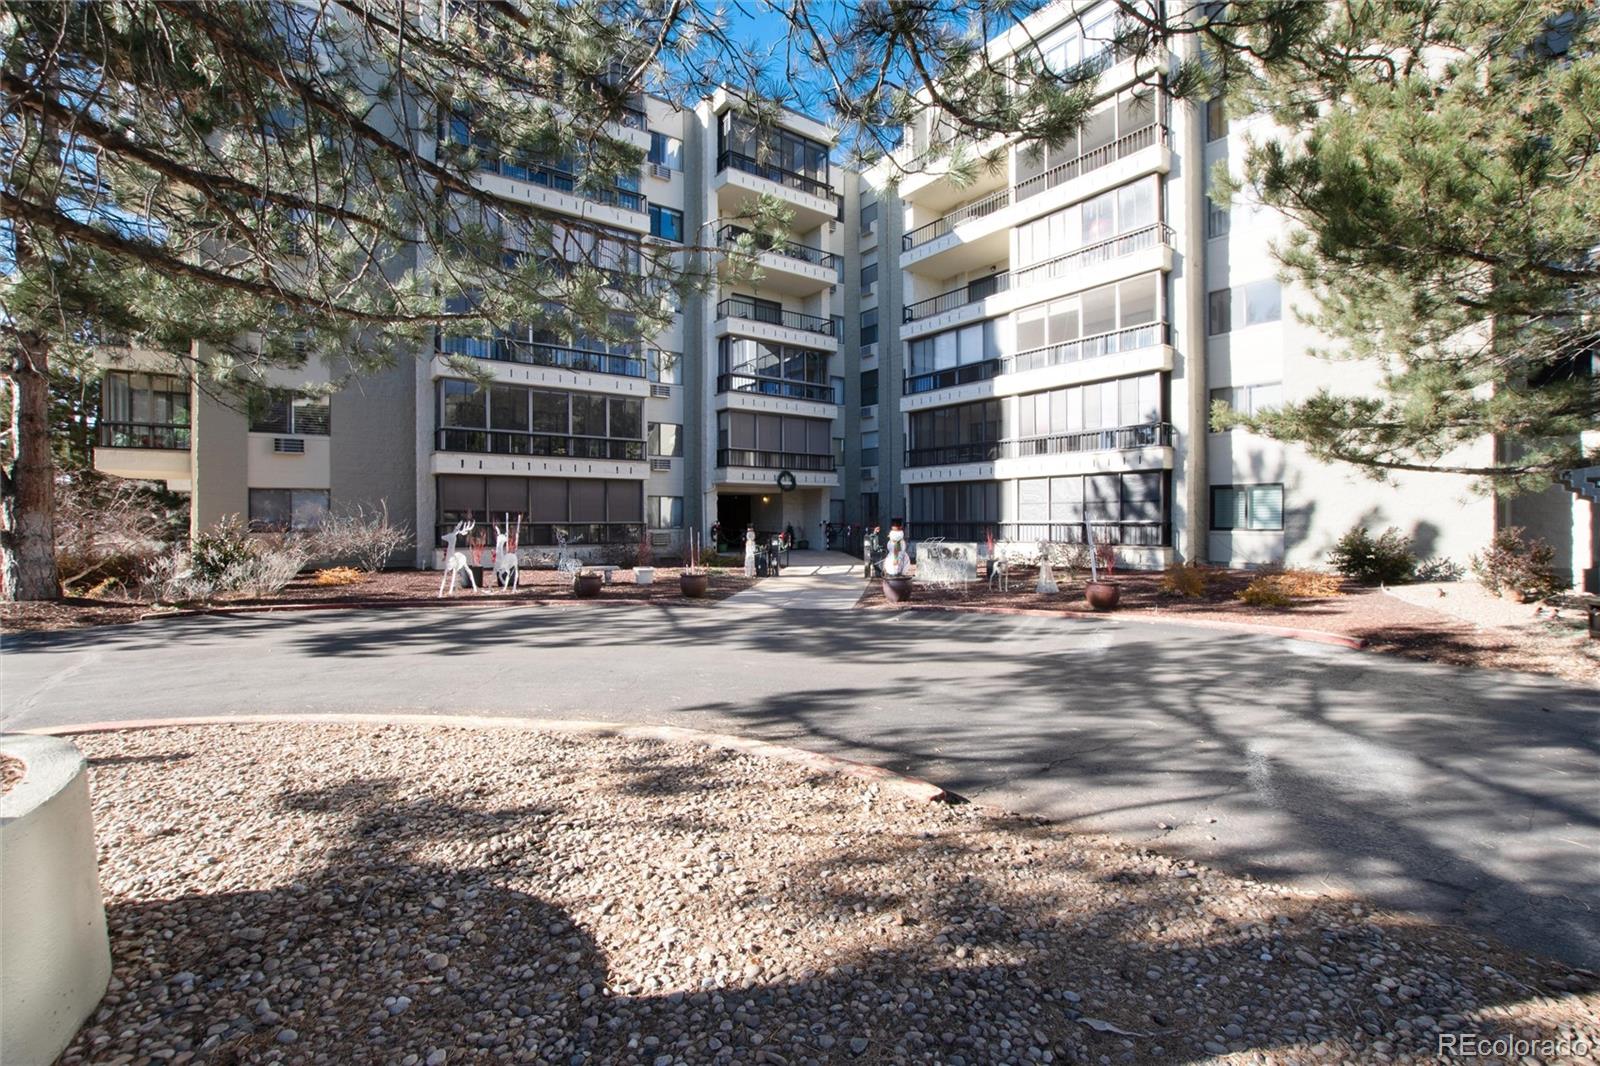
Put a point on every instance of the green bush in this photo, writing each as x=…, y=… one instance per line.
x=223, y=547
x=1513, y=563
x=1386, y=559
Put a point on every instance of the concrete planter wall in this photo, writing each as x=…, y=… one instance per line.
x=57, y=958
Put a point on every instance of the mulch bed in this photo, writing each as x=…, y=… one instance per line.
x=1386, y=623
x=390, y=588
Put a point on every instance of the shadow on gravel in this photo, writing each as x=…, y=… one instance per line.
x=388, y=950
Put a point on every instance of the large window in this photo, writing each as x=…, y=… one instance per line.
x=1131, y=401
x=1124, y=125
x=748, y=365
x=869, y=215
x=964, y=433
x=1246, y=507
x=768, y=149
x=958, y=510
x=143, y=411
x=1216, y=119
x=286, y=411
x=587, y=510
x=869, y=448
x=666, y=151
x=869, y=326
x=666, y=223
x=666, y=439
x=1124, y=508
x=1263, y=302
x=513, y=420
x=1111, y=214
x=665, y=367
x=1219, y=312
x=664, y=512
x=869, y=388
x=953, y=348
x=774, y=442
x=1249, y=399
x=1087, y=321
x=869, y=276
x=280, y=510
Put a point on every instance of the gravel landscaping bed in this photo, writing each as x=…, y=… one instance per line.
x=394, y=587
x=408, y=895
x=1386, y=622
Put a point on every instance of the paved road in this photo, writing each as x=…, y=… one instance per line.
x=1468, y=795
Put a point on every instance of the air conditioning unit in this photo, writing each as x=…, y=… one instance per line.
x=662, y=392
x=833, y=227
x=870, y=411
x=661, y=466
x=661, y=170
x=869, y=351
x=288, y=446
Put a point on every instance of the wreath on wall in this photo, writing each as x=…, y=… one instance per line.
x=786, y=480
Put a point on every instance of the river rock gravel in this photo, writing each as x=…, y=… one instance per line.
x=414, y=896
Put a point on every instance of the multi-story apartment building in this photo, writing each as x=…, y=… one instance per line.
x=1016, y=355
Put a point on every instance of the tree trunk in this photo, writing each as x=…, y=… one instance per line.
x=28, y=492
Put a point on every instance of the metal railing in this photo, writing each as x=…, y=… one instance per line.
x=532, y=353
x=507, y=442
x=165, y=436
x=1126, y=145
x=1129, y=339
x=791, y=390
x=1138, y=534
x=966, y=374
x=563, y=181
x=984, y=206
x=1121, y=438
x=1012, y=280
x=735, y=307
x=727, y=235
x=764, y=460
x=729, y=160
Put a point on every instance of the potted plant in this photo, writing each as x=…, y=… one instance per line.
x=1100, y=594
x=897, y=566
x=644, y=572
x=694, y=582
x=586, y=583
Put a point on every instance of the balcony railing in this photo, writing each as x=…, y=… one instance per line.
x=1094, y=159
x=966, y=374
x=508, y=350
x=803, y=182
x=763, y=460
x=734, y=307
x=563, y=181
x=503, y=442
x=790, y=390
x=634, y=118
x=988, y=205
x=786, y=248
x=1049, y=270
x=1140, y=534
x=165, y=436
x=1122, y=438
x=1092, y=347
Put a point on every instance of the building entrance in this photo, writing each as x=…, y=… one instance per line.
x=733, y=515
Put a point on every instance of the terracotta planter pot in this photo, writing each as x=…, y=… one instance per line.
x=897, y=589
x=694, y=586
x=587, y=586
x=1102, y=595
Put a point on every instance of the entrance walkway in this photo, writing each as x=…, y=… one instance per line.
x=813, y=581
x=813, y=563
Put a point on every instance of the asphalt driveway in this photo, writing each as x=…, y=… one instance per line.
x=1471, y=796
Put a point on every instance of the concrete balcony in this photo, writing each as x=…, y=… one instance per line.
x=740, y=316
x=786, y=267
x=741, y=178
x=622, y=209
x=478, y=451
x=1094, y=451
x=744, y=392
x=144, y=452
x=751, y=467
x=513, y=362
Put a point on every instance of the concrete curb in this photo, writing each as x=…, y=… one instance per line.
x=911, y=788
x=482, y=602
x=1315, y=636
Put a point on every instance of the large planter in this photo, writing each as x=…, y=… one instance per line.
x=897, y=589
x=1103, y=595
x=695, y=586
x=644, y=575
x=57, y=959
x=587, y=586
x=477, y=574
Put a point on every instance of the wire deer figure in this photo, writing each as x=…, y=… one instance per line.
x=506, y=571
x=455, y=562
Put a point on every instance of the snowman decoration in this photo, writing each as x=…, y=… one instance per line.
x=750, y=551
x=898, y=562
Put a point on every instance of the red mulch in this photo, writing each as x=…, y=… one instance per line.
x=392, y=587
x=1385, y=623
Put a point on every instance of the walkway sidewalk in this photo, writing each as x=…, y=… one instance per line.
x=813, y=581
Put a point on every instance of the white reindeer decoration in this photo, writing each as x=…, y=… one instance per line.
x=506, y=571
x=455, y=563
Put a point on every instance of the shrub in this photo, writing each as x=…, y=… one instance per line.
x=623, y=555
x=338, y=575
x=1386, y=559
x=265, y=570
x=366, y=538
x=1440, y=569
x=1070, y=559
x=218, y=549
x=1514, y=564
x=1184, y=579
x=1265, y=592
x=170, y=578
x=109, y=531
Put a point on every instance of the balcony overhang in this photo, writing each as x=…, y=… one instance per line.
x=536, y=466
x=758, y=479
x=1063, y=464
x=548, y=377
x=782, y=274
x=1155, y=357
x=970, y=246
x=737, y=190
x=732, y=325
x=569, y=203
x=169, y=465
x=735, y=400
